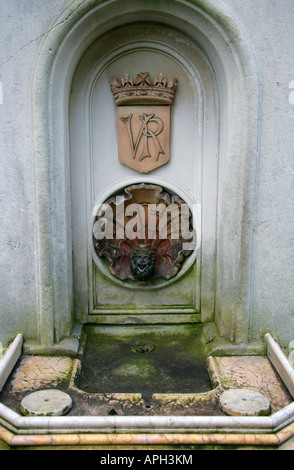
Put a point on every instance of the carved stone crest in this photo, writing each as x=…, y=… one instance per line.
x=143, y=120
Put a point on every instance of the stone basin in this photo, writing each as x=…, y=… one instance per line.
x=191, y=418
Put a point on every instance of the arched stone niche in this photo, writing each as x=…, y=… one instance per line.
x=97, y=172
x=227, y=109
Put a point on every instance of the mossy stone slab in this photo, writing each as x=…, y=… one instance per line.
x=46, y=403
x=244, y=402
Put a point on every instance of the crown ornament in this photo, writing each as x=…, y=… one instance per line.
x=161, y=91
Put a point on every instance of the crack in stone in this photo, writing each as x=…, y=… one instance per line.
x=43, y=34
x=35, y=371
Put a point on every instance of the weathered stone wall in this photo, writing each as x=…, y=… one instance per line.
x=268, y=25
x=23, y=26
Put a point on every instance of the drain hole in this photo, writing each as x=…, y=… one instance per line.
x=144, y=348
x=112, y=412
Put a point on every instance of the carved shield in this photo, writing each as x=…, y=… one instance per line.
x=143, y=136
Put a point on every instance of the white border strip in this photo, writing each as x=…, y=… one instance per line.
x=9, y=359
x=281, y=363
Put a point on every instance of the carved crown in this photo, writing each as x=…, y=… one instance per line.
x=161, y=91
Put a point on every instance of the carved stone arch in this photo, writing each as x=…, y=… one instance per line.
x=218, y=33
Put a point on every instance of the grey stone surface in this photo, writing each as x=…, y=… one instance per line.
x=244, y=402
x=273, y=266
x=46, y=403
x=23, y=27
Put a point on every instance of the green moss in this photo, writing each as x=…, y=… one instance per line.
x=4, y=446
x=141, y=368
x=112, y=361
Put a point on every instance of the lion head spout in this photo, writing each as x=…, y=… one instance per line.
x=142, y=262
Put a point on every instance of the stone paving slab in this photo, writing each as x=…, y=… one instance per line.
x=35, y=372
x=255, y=373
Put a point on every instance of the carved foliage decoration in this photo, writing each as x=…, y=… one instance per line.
x=144, y=233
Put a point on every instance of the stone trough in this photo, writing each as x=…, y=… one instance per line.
x=240, y=430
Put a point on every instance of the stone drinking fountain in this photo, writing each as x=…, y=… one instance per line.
x=141, y=321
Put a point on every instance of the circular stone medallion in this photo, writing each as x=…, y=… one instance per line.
x=46, y=403
x=244, y=402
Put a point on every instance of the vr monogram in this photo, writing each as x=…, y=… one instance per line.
x=146, y=131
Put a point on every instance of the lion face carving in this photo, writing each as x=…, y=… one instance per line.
x=142, y=262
